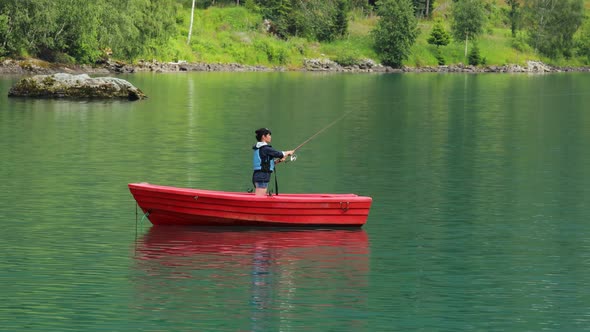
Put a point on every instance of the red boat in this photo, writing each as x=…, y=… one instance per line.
x=183, y=206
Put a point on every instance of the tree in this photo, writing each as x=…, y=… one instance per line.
x=474, y=58
x=396, y=31
x=552, y=25
x=341, y=19
x=322, y=20
x=423, y=7
x=79, y=23
x=468, y=20
x=118, y=30
x=513, y=15
x=584, y=40
x=156, y=22
x=280, y=13
x=3, y=33
x=81, y=30
x=439, y=36
x=22, y=31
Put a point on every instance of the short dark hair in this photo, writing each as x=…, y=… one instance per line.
x=261, y=132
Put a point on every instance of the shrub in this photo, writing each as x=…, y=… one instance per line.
x=474, y=58
x=274, y=53
x=347, y=58
x=520, y=43
x=439, y=57
x=439, y=36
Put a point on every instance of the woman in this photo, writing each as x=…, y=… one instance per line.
x=264, y=156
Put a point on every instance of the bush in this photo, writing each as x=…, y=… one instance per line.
x=275, y=53
x=474, y=58
x=63, y=58
x=439, y=57
x=348, y=58
x=321, y=20
x=520, y=43
x=439, y=36
x=298, y=45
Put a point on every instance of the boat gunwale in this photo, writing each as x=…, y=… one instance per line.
x=247, y=196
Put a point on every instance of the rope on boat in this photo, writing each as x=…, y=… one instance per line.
x=140, y=224
x=145, y=215
x=276, y=182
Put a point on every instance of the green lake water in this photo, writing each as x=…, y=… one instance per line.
x=479, y=219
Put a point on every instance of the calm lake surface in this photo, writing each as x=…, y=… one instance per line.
x=479, y=221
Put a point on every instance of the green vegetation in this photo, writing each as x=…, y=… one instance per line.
x=396, y=31
x=468, y=20
x=439, y=37
x=553, y=25
x=284, y=32
x=584, y=41
x=513, y=15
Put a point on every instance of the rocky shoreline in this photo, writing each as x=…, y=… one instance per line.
x=36, y=67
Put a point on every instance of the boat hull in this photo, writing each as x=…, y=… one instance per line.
x=183, y=206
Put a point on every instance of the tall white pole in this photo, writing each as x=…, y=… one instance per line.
x=190, y=29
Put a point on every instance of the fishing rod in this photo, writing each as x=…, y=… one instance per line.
x=293, y=157
x=322, y=130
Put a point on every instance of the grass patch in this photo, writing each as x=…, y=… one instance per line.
x=234, y=34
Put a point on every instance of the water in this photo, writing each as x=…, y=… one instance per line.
x=478, y=221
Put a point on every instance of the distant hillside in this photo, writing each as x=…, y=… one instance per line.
x=235, y=34
x=238, y=32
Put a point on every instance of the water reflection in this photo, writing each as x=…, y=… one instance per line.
x=254, y=279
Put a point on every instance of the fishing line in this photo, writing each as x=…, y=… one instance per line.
x=322, y=130
x=293, y=157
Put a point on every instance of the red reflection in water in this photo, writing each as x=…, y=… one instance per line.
x=273, y=276
x=164, y=241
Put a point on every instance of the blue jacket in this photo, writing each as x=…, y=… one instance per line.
x=264, y=156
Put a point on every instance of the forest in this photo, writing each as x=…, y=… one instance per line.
x=283, y=32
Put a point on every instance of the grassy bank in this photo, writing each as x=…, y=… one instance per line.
x=237, y=35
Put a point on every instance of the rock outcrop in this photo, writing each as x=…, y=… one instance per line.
x=361, y=66
x=63, y=85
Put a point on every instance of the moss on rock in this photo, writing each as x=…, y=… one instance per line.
x=75, y=86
